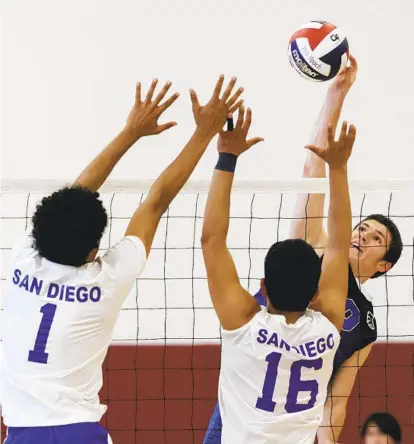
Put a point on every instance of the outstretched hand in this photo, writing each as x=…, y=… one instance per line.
x=211, y=117
x=143, y=118
x=344, y=81
x=235, y=141
x=337, y=153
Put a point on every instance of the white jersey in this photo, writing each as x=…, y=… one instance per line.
x=274, y=378
x=57, y=325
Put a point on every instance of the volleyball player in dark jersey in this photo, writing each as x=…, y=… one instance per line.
x=376, y=246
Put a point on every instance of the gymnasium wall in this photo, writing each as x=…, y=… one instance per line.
x=149, y=405
x=70, y=69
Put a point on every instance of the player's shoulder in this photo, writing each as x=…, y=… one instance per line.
x=368, y=331
x=315, y=315
x=369, y=320
x=130, y=241
x=127, y=254
x=371, y=323
x=356, y=292
x=319, y=322
x=127, y=246
x=258, y=321
x=23, y=247
x=360, y=325
x=362, y=299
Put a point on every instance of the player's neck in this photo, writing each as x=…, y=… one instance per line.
x=359, y=274
x=290, y=316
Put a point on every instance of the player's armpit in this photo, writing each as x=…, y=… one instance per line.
x=144, y=222
x=333, y=287
x=332, y=305
x=321, y=242
x=233, y=304
x=337, y=399
x=307, y=221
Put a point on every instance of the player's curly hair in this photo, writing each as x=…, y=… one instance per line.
x=68, y=224
x=292, y=273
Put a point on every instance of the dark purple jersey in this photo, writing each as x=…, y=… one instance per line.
x=360, y=327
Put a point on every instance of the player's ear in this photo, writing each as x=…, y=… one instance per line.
x=383, y=266
x=263, y=287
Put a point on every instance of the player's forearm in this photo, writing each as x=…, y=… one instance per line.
x=328, y=434
x=329, y=114
x=217, y=212
x=307, y=220
x=333, y=421
x=174, y=177
x=95, y=174
x=339, y=215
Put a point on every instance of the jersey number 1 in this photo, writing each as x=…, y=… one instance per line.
x=38, y=354
x=296, y=385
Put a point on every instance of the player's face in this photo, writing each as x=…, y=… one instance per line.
x=369, y=243
x=375, y=436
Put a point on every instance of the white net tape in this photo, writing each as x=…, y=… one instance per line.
x=170, y=301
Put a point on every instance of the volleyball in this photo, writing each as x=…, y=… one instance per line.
x=318, y=51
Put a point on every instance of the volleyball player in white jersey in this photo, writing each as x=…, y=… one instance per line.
x=61, y=300
x=277, y=361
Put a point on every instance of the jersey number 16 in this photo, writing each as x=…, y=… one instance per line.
x=296, y=385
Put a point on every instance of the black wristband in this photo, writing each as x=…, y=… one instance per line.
x=226, y=162
x=230, y=124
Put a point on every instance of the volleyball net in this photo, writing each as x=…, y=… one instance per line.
x=161, y=372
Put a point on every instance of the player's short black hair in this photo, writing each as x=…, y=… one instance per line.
x=396, y=246
x=68, y=224
x=292, y=272
x=386, y=423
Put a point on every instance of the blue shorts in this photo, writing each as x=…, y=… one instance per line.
x=213, y=432
x=82, y=433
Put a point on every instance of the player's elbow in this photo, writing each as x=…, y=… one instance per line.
x=299, y=230
x=205, y=239
x=212, y=242
x=158, y=200
x=209, y=240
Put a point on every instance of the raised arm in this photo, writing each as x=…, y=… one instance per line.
x=142, y=121
x=210, y=119
x=333, y=285
x=233, y=304
x=307, y=222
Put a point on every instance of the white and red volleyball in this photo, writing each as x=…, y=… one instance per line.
x=318, y=51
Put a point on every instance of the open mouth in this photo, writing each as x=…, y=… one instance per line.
x=355, y=245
